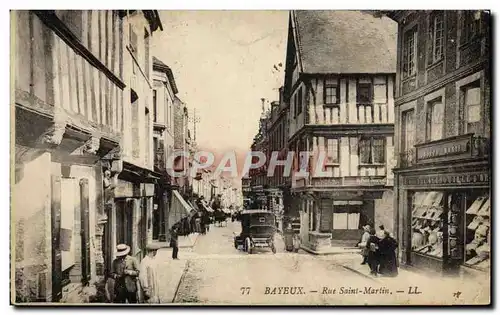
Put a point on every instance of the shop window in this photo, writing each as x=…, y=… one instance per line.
x=427, y=223
x=372, y=150
x=477, y=236
x=410, y=52
x=472, y=106
x=347, y=215
x=435, y=119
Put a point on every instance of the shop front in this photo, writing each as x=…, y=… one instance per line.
x=445, y=212
x=336, y=218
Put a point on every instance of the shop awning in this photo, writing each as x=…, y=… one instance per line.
x=136, y=174
x=179, y=205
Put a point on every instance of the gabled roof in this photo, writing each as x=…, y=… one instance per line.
x=160, y=66
x=344, y=41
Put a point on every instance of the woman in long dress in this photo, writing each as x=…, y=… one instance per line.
x=388, y=260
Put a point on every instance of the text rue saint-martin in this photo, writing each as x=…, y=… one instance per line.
x=367, y=290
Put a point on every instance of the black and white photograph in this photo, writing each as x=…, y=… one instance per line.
x=287, y=157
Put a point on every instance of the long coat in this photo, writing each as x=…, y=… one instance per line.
x=148, y=277
x=388, y=260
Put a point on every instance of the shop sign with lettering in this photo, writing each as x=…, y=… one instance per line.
x=456, y=147
x=448, y=179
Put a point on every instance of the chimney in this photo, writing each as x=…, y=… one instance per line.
x=263, y=100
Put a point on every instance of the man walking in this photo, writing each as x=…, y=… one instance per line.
x=125, y=270
x=174, y=242
x=148, y=275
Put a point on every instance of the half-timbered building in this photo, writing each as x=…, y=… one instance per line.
x=339, y=84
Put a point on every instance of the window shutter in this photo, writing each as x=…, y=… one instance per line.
x=85, y=229
x=56, y=228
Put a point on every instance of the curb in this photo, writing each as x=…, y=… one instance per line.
x=360, y=273
x=348, y=251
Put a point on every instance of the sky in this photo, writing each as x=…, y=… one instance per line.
x=223, y=65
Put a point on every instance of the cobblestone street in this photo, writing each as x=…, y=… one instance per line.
x=214, y=272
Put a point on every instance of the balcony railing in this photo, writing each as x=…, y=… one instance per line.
x=446, y=150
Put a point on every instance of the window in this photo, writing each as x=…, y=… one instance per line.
x=331, y=94
x=472, y=106
x=132, y=40
x=471, y=25
x=408, y=130
x=364, y=93
x=409, y=52
x=435, y=120
x=155, y=107
x=146, y=53
x=332, y=151
x=437, y=35
x=299, y=98
x=427, y=218
x=372, y=151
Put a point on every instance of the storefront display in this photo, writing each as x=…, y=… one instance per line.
x=427, y=223
x=477, y=238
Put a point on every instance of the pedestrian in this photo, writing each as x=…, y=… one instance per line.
x=174, y=242
x=362, y=243
x=381, y=231
x=148, y=275
x=388, y=261
x=206, y=221
x=373, y=252
x=125, y=270
x=197, y=222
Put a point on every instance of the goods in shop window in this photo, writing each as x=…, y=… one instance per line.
x=485, y=209
x=476, y=205
x=417, y=240
x=478, y=220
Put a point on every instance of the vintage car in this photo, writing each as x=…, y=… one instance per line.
x=258, y=228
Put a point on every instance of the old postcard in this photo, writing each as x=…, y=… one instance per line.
x=251, y=157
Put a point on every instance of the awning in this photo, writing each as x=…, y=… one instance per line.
x=136, y=174
x=207, y=208
x=179, y=205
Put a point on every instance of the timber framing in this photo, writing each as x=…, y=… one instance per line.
x=52, y=21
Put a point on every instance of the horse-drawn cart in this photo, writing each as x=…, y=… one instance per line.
x=258, y=228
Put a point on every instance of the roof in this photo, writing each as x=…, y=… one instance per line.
x=160, y=66
x=345, y=41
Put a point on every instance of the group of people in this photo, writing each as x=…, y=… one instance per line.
x=379, y=251
x=132, y=282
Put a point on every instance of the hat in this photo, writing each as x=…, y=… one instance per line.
x=152, y=247
x=122, y=250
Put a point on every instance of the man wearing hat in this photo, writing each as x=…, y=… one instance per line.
x=125, y=270
x=148, y=275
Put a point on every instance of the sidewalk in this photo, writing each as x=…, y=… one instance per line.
x=331, y=250
x=433, y=288
x=169, y=273
x=187, y=241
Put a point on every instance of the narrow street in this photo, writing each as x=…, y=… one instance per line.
x=215, y=272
